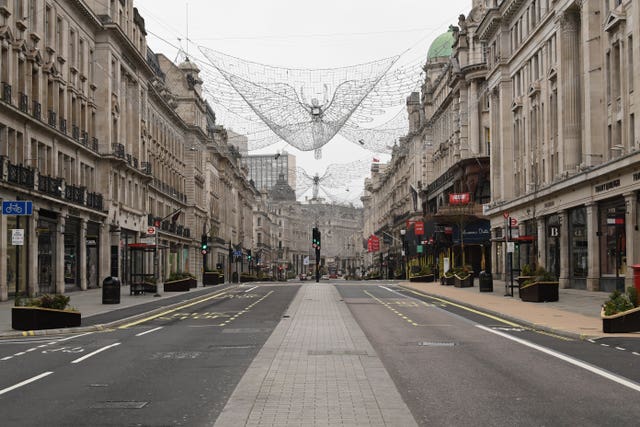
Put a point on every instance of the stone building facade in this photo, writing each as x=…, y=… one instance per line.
x=533, y=114
x=106, y=141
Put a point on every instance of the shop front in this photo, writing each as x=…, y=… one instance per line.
x=613, y=244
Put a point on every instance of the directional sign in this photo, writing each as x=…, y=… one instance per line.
x=17, y=207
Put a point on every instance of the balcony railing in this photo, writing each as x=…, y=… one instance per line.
x=21, y=175
x=84, y=138
x=36, y=110
x=94, y=144
x=75, y=132
x=94, y=200
x=74, y=194
x=23, y=102
x=49, y=185
x=128, y=158
x=117, y=150
x=145, y=167
x=6, y=92
x=53, y=121
x=63, y=125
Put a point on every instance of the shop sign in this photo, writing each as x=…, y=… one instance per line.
x=459, y=198
x=419, y=249
x=17, y=237
x=419, y=228
x=615, y=221
x=607, y=186
x=91, y=242
x=554, y=231
x=373, y=244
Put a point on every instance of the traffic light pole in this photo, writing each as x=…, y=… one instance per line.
x=317, y=265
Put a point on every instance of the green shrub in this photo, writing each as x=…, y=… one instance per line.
x=526, y=270
x=617, y=303
x=56, y=301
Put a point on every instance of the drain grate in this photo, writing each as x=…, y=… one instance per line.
x=435, y=344
x=123, y=404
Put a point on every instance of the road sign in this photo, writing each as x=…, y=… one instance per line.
x=17, y=207
x=151, y=231
x=514, y=222
x=17, y=237
x=505, y=214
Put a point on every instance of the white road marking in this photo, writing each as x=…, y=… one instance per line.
x=86, y=356
x=25, y=382
x=250, y=289
x=7, y=358
x=601, y=372
x=72, y=337
x=620, y=348
x=149, y=331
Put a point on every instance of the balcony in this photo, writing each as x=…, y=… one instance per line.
x=117, y=150
x=63, y=125
x=84, y=138
x=21, y=175
x=94, y=144
x=74, y=194
x=75, y=132
x=49, y=185
x=145, y=167
x=6, y=92
x=23, y=102
x=36, y=110
x=95, y=201
x=52, y=119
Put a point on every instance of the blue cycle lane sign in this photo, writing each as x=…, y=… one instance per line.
x=17, y=207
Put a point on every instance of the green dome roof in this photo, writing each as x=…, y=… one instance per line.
x=441, y=46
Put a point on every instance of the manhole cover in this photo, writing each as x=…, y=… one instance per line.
x=126, y=404
x=435, y=344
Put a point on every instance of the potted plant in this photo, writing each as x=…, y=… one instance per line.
x=448, y=278
x=212, y=277
x=463, y=277
x=44, y=312
x=526, y=274
x=424, y=274
x=541, y=287
x=621, y=312
x=178, y=282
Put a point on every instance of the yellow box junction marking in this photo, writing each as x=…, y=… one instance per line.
x=240, y=313
x=387, y=305
x=173, y=310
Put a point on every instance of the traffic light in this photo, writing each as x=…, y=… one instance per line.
x=314, y=238
x=319, y=240
x=204, y=245
x=248, y=254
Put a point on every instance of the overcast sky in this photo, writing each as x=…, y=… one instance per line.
x=302, y=34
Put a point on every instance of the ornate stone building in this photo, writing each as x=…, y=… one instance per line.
x=102, y=139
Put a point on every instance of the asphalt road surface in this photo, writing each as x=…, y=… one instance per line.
x=452, y=365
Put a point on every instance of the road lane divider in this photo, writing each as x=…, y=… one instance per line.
x=149, y=331
x=244, y=310
x=387, y=305
x=25, y=382
x=579, y=363
x=100, y=350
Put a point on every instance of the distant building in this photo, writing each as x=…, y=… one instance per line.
x=265, y=169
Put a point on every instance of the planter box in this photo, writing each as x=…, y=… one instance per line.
x=539, y=292
x=467, y=282
x=522, y=279
x=32, y=318
x=193, y=283
x=211, y=278
x=448, y=281
x=181, y=285
x=422, y=278
x=627, y=321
